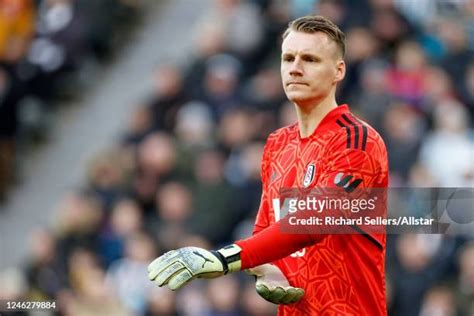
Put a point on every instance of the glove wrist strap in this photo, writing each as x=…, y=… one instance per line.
x=230, y=257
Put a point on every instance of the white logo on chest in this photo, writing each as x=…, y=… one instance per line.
x=309, y=175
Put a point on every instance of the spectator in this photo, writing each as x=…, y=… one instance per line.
x=248, y=166
x=161, y=302
x=58, y=48
x=195, y=300
x=362, y=47
x=14, y=284
x=438, y=88
x=106, y=178
x=465, y=288
x=213, y=199
x=264, y=91
x=467, y=89
x=422, y=261
x=223, y=294
x=389, y=26
x=168, y=97
x=454, y=36
x=373, y=99
x=125, y=220
x=16, y=29
x=174, y=211
x=335, y=10
x=195, y=127
x=156, y=155
x=10, y=95
x=439, y=301
x=127, y=277
x=420, y=12
x=79, y=219
x=45, y=276
x=453, y=167
x=406, y=79
x=235, y=130
x=241, y=24
x=209, y=41
x=140, y=124
x=221, y=81
x=403, y=130
x=92, y=297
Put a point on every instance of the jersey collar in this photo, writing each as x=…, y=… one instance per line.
x=326, y=122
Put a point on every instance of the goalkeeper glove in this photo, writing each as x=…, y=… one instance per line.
x=272, y=285
x=178, y=267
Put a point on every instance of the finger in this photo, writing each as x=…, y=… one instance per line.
x=277, y=294
x=266, y=293
x=288, y=298
x=179, y=280
x=299, y=296
x=161, y=263
x=263, y=291
x=154, y=269
x=163, y=277
x=293, y=295
x=273, y=295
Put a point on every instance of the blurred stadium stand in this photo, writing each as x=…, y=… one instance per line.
x=128, y=128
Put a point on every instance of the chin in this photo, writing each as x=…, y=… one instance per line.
x=298, y=97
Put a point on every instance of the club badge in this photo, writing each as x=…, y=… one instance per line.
x=309, y=175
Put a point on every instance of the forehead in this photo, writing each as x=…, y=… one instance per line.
x=318, y=42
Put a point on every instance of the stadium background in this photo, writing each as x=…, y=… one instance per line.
x=128, y=128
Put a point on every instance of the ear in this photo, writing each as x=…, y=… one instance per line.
x=340, y=70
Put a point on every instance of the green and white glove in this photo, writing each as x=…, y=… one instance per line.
x=178, y=267
x=273, y=286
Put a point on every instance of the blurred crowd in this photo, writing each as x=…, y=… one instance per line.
x=48, y=51
x=187, y=168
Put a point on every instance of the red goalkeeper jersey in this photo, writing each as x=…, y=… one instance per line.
x=342, y=274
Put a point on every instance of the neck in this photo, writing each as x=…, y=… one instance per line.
x=310, y=116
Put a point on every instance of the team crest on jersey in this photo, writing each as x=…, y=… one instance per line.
x=309, y=175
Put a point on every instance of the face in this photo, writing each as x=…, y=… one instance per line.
x=311, y=66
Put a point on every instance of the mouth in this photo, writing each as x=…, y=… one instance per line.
x=296, y=83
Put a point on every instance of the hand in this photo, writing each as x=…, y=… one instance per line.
x=178, y=267
x=272, y=285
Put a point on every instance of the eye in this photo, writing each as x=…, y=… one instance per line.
x=288, y=58
x=310, y=59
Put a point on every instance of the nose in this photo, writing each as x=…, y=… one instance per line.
x=295, y=68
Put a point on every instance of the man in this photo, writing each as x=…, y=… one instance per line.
x=307, y=273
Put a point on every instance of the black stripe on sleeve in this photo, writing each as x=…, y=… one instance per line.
x=356, y=137
x=356, y=130
x=364, y=132
x=340, y=123
x=364, y=137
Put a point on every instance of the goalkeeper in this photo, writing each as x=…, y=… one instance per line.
x=306, y=274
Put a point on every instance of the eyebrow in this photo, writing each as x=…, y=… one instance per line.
x=291, y=54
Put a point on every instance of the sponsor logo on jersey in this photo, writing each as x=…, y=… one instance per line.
x=347, y=182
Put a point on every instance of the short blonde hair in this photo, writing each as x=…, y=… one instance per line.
x=317, y=23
